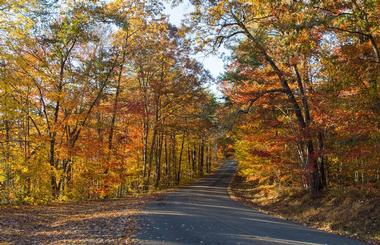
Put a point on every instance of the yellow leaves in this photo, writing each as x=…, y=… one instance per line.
x=24, y=169
x=218, y=10
x=63, y=79
x=304, y=36
x=14, y=20
x=114, y=6
x=55, y=95
x=2, y=176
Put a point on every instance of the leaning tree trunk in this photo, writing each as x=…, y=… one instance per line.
x=311, y=170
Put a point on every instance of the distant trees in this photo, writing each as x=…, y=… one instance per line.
x=98, y=99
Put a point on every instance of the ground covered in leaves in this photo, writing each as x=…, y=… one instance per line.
x=91, y=222
x=346, y=212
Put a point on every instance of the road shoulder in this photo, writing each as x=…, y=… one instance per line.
x=319, y=214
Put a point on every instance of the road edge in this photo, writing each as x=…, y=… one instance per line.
x=246, y=202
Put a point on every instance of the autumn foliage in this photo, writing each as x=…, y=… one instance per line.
x=303, y=80
x=99, y=99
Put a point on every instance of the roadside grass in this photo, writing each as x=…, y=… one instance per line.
x=350, y=212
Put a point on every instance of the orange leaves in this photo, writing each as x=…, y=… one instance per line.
x=326, y=56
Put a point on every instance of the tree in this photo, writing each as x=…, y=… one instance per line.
x=268, y=30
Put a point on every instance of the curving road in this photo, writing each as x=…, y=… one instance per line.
x=204, y=214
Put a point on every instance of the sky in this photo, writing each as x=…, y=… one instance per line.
x=213, y=63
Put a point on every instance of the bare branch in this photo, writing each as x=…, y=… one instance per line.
x=219, y=39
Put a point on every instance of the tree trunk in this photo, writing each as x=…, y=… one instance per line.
x=7, y=154
x=53, y=165
x=174, y=157
x=178, y=179
x=194, y=160
x=27, y=141
x=322, y=161
x=208, y=161
x=201, y=158
x=189, y=168
x=145, y=128
x=151, y=151
x=115, y=105
x=304, y=98
x=158, y=160
x=311, y=168
x=167, y=159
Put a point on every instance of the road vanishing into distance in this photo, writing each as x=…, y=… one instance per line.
x=203, y=213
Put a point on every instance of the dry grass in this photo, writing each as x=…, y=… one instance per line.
x=347, y=212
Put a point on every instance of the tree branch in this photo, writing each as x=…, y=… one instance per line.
x=219, y=39
x=258, y=96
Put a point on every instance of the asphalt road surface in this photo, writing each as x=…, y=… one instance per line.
x=203, y=213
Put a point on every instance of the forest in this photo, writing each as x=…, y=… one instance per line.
x=305, y=76
x=98, y=99
x=106, y=99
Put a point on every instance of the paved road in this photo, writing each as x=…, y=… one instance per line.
x=204, y=214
